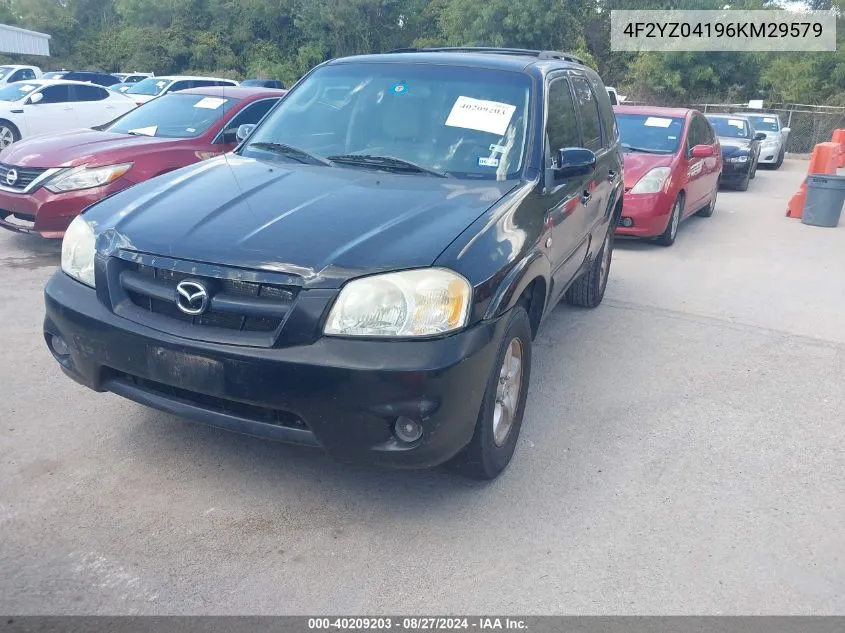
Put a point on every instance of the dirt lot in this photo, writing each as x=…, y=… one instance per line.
x=682, y=453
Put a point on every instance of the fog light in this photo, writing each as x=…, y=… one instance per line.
x=59, y=346
x=627, y=222
x=407, y=430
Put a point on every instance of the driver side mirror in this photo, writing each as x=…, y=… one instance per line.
x=702, y=151
x=243, y=131
x=759, y=136
x=572, y=161
x=785, y=130
x=36, y=98
x=230, y=135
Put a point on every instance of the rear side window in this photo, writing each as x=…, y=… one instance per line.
x=253, y=113
x=608, y=118
x=89, y=93
x=561, y=122
x=23, y=74
x=589, y=109
x=183, y=85
x=56, y=94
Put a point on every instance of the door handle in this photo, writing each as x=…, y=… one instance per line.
x=585, y=196
x=611, y=175
x=69, y=108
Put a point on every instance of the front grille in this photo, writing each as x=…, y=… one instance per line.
x=25, y=176
x=243, y=306
x=276, y=417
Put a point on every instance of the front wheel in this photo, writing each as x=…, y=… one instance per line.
x=500, y=418
x=8, y=134
x=779, y=161
x=667, y=238
x=743, y=184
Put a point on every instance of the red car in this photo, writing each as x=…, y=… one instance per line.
x=47, y=181
x=672, y=167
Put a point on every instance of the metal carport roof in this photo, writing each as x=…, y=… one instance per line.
x=23, y=42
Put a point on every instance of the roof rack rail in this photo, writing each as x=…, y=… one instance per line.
x=568, y=57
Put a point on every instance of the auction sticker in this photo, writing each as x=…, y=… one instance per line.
x=481, y=115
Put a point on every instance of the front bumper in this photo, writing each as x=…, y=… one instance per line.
x=341, y=394
x=49, y=214
x=769, y=155
x=734, y=172
x=648, y=213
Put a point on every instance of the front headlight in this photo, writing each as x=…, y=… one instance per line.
x=653, y=181
x=423, y=302
x=84, y=178
x=739, y=159
x=78, y=251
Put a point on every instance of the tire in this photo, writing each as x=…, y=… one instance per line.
x=9, y=133
x=494, y=440
x=667, y=238
x=754, y=172
x=779, y=161
x=743, y=184
x=707, y=211
x=588, y=290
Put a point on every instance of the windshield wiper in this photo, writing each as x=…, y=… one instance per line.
x=386, y=162
x=290, y=151
x=644, y=150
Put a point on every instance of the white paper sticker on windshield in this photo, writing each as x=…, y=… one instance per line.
x=481, y=115
x=656, y=121
x=770, y=119
x=161, y=84
x=736, y=123
x=26, y=88
x=210, y=103
x=145, y=131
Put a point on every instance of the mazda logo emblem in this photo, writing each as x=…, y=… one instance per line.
x=192, y=297
x=11, y=177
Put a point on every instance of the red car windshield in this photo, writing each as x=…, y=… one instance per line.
x=649, y=133
x=176, y=115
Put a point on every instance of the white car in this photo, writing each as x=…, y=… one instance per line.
x=132, y=78
x=11, y=74
x=47, y=106
x=154, y=87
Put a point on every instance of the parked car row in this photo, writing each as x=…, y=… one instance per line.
x=676, y=159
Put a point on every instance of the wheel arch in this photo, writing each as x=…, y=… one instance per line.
x=527, y=283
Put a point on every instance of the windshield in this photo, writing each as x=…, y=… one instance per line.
x=765, y=123
x=730, y=128
x=176, y=115
x=466, y=122
x=645, y=132
x=16, y=91
x=150, y=86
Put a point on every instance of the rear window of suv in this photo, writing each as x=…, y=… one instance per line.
x=467, y=122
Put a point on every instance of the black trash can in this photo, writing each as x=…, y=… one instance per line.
x=825, y=197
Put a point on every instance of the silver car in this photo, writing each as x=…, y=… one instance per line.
x=773, y=147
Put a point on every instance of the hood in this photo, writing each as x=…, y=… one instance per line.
x=731, y=146
x=81, y=147
x=638, y=164
x=325, y=224
x=139, y=98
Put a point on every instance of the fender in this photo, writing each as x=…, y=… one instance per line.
x=534, y=264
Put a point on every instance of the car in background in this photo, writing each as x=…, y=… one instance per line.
x=55, y=74
x=264, y=83
x=152, y=87
x=132, y=78
x=12, y=73
x=773, y=145
x=740, y=149
x=367, y=270
x=50, y=106
x=672, y=166
x=91, y=77
x=59, y=175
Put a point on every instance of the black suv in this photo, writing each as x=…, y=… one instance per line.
x=367, y=270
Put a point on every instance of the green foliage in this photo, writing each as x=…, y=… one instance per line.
x=285, y=38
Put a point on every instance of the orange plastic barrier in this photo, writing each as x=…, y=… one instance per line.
x=839, y=138
x=824, y=160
